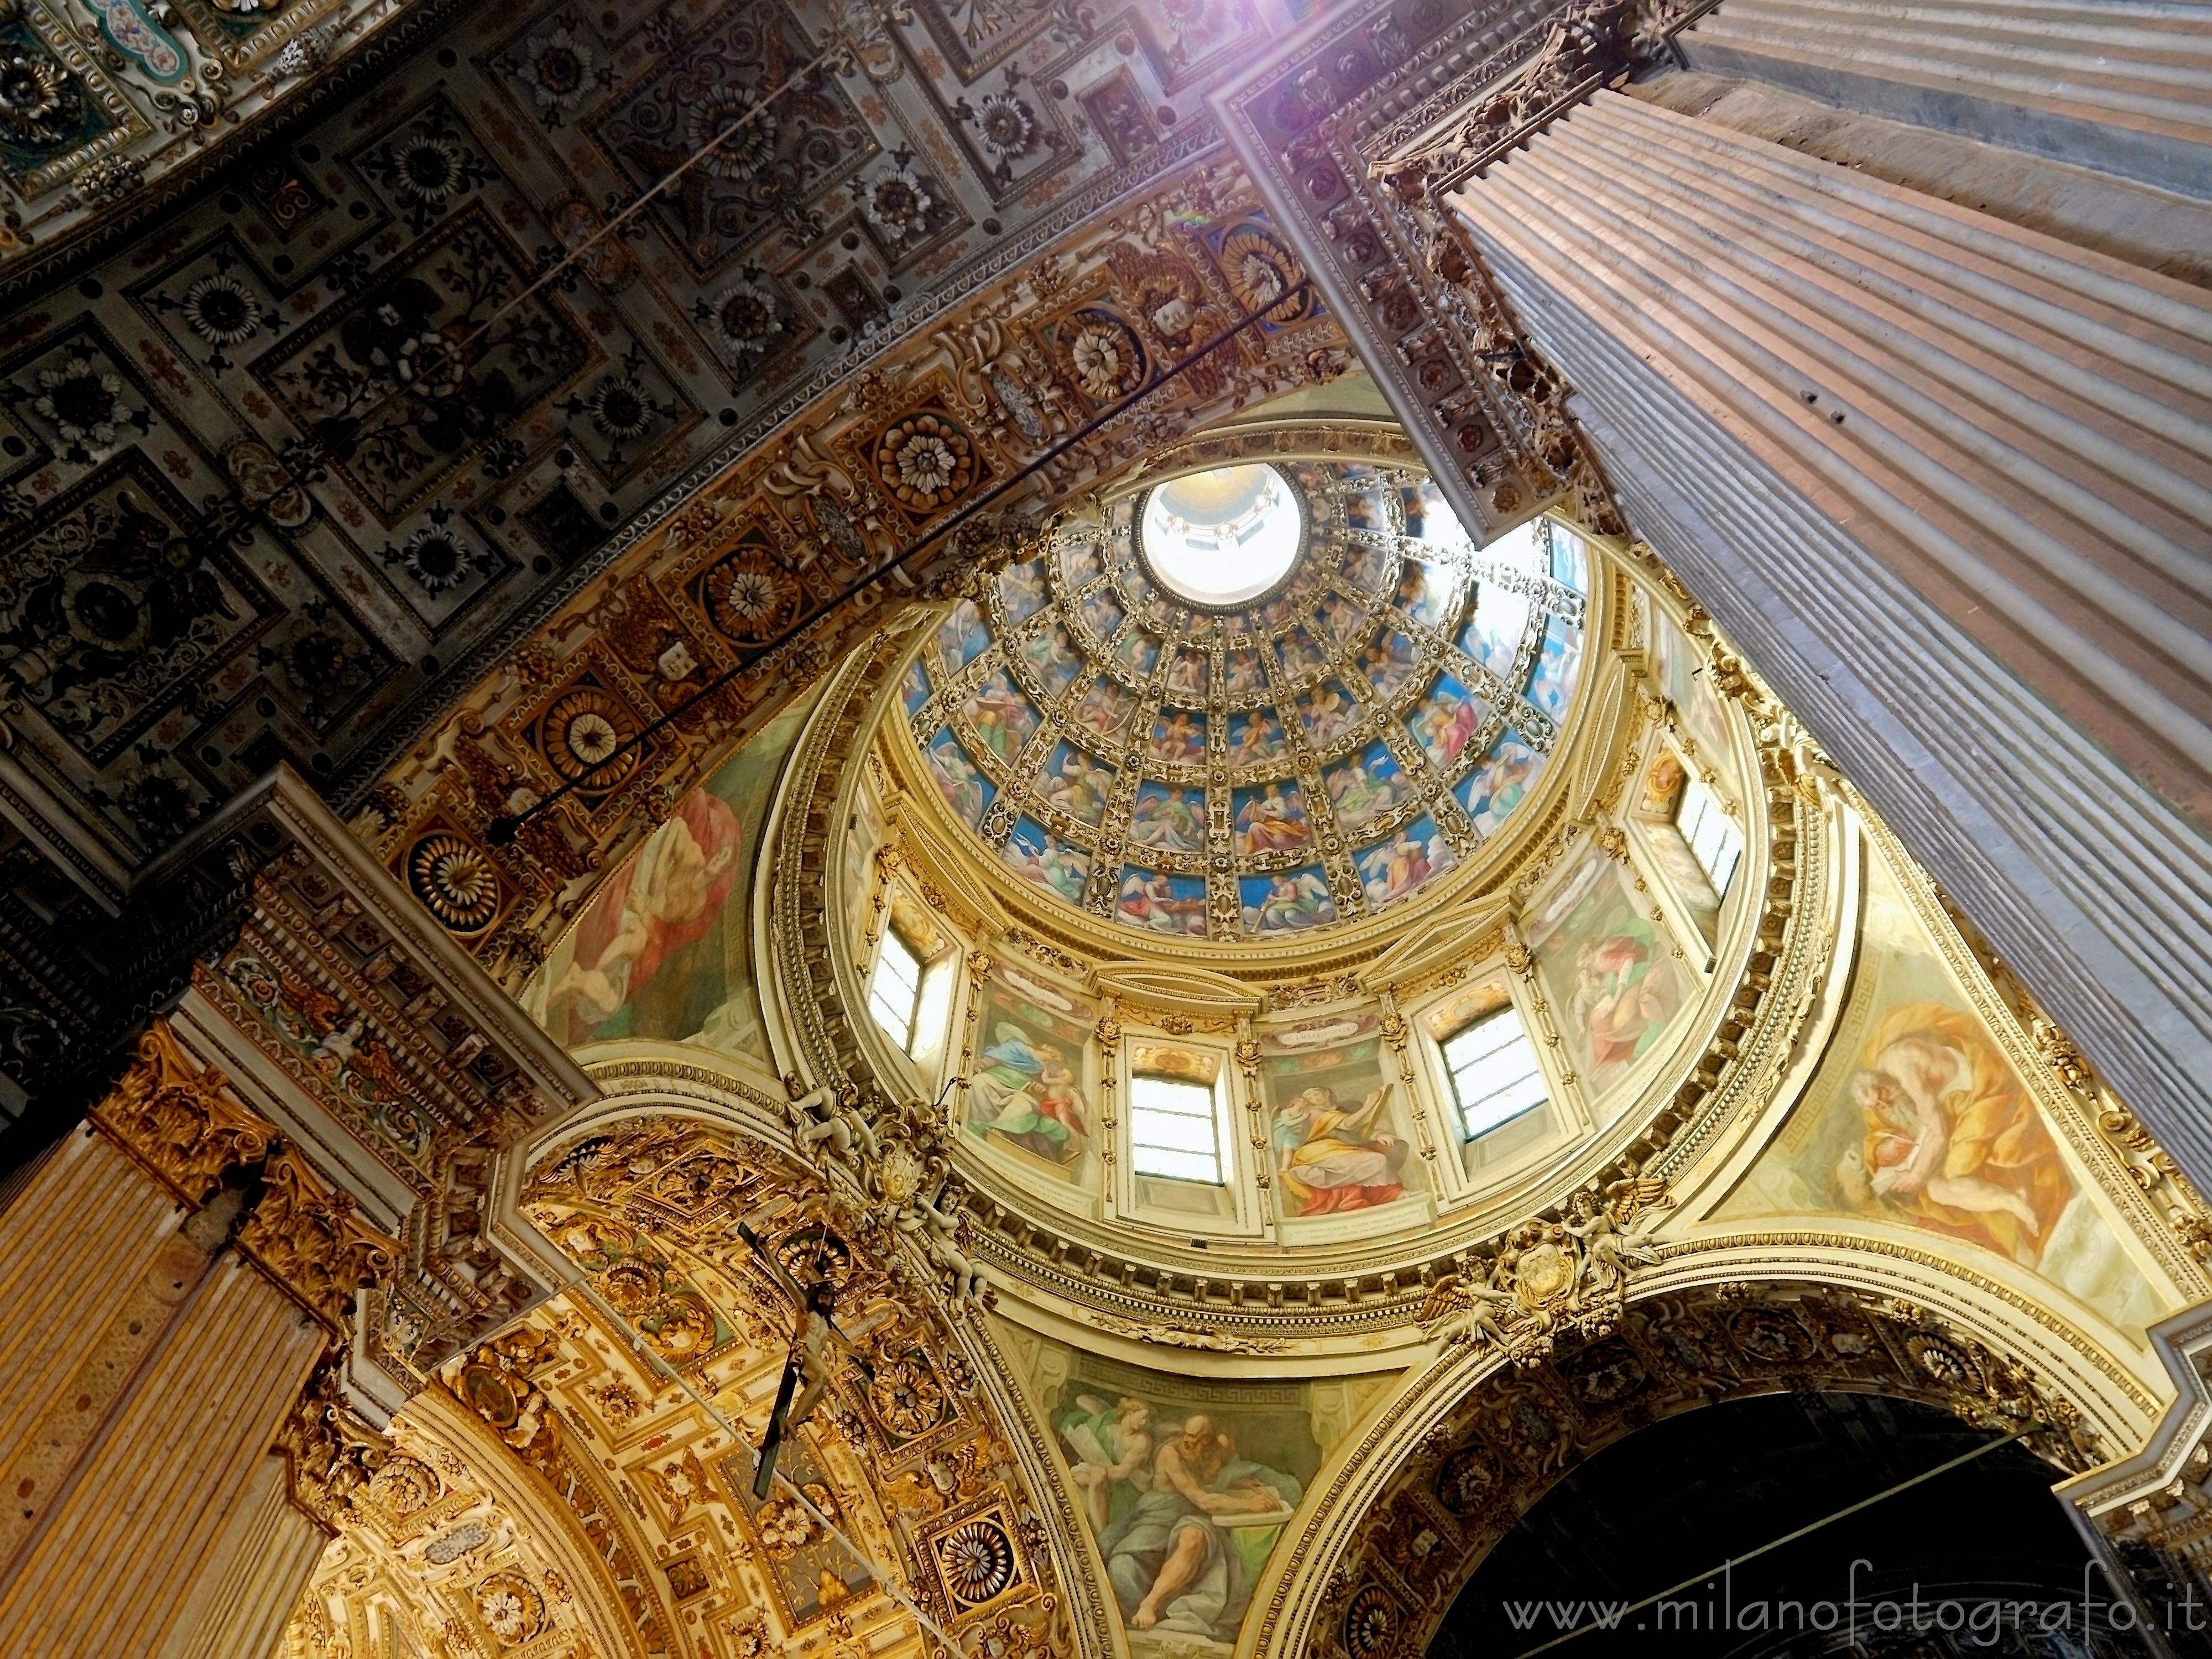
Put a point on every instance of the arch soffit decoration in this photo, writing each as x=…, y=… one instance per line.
x=1468, y=1447
x=612, y=1474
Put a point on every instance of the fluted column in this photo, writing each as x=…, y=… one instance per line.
x=1948, y=482
x=2122, y=86
x=169, y=1277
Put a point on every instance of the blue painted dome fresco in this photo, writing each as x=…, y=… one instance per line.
x=1256, y=700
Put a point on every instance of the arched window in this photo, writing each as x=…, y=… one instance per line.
x=1716, y=840
x=908, y=997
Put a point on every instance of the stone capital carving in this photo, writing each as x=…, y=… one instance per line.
x=177, y=1121
x=305, y=1235
x=333, y=1458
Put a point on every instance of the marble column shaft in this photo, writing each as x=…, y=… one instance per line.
x=2124, y=86
x=1948, y=484
x=148, y=1368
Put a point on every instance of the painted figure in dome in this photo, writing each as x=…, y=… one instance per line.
x=1051, y=654
x=1028, y=1094
x=1327, y=713
x=1105, y=709
x=1022, y=589
x=1448, y=723
x=1188, y=675
x=1179, y=737
x=1344, y=616
x=1150, y=900
x=1168, y=818
x=1002, y=717
x=1271, y=822
x=1241, y=674
x=1299, y=900
x=1076, y=786
x=1397, y=868
x=1254, y=738
x=956, y=779
x=662, y=900
x=1362, y=791
x=1101, y=611
x=1331, y=1159
x=1423, y=592
x=1496, y=788
x=1057, y=869
x=1302, y=653
x=963, y=635
x=1389, y=662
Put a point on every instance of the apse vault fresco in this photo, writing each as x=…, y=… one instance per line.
x=1205, y=769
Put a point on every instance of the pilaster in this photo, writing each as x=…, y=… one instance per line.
x=1947, y=482
x=294, y=1201
x=2124, y=86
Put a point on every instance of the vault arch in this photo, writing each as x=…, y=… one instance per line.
x=1474, y=1440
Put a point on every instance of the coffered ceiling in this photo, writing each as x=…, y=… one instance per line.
x=295, y=467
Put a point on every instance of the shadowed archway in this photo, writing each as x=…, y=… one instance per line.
x=1979, y=1559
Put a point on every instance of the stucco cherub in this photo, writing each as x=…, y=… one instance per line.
x=1462, y=1309
x=834, y=1114
x=1611, y=1237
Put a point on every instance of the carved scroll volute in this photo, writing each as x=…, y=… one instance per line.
x=305, y=1235
x=178, y=1122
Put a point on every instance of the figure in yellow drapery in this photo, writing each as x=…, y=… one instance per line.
x=1331, y=1159
x=1953, y=1136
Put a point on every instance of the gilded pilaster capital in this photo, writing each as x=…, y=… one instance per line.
x=305, y=1235
x=176, y=1120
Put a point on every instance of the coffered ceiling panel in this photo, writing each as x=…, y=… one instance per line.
x=293, y=469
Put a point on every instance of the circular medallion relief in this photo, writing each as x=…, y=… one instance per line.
x=1223, y=537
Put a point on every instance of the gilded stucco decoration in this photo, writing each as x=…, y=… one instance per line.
x=177, y=1120
x=590, y=1471
x=1300, y=1026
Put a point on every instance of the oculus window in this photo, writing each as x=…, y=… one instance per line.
x=1716, y=840
x=1174, y=1129
x=1223, y=537
x=1493, y=1071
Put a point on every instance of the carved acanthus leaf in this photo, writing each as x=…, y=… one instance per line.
x=305, y=1235
x=176, y=1120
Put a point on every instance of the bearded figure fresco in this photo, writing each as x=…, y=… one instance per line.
x=1952, y=1140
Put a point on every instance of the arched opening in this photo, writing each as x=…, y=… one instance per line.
x=1981, y=1557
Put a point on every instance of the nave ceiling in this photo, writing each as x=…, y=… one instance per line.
x=257, y=523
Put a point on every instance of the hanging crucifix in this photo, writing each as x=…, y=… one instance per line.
x=806, y=1371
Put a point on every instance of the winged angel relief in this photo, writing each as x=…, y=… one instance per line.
x=1551, y=1277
